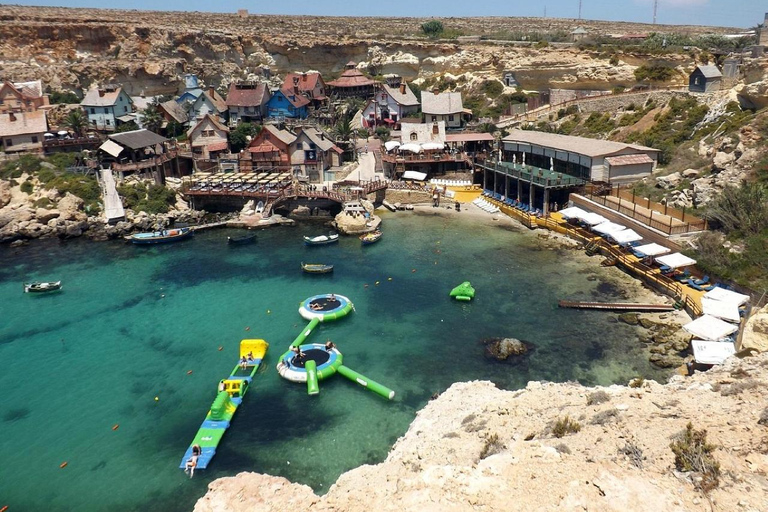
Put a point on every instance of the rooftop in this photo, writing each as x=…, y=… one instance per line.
x=23, y=123
x=306, y=81
x=580, y=145
x=137, y=139
x=351, y=78
x=246, y=95
x=102, y=96
x=442, y=104
x=710, y=71
x=406, y=99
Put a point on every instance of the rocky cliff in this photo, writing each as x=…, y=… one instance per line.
x=480, y=448
x=149, y=51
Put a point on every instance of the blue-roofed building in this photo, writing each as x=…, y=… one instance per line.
x=288, y=104
x=192, y=89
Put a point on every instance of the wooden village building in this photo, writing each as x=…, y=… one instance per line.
x=22, y=96
x=22, y=131
x=105, y=105
x=393, y=101
x=310, y=85
x=140, y=152
x=208, y=138
x=352, y=83
x=444, y=107
x=705, y=79
x=247, y=102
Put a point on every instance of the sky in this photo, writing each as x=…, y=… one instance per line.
x=722, y=13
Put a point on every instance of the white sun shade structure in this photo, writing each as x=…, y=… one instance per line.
x=413, y=148
x=391, y=144
x=592, y=219
x=626, y=236
x=572, y=212
x=676, y=260
x=712, y=352
x=607, y=228
x=652, y=249
x=710, y=328
x=432, y=146
x=724, y=295
x=725, y=310
x=414, y=175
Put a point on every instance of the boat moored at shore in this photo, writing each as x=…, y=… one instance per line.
x=162, y=236
x=42, y=287
x=321, y=239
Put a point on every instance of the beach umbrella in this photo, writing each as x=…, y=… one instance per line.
x=625, y=236
x=608, y=227
x=676, y=260
x=651, y=250
x=413, y=148
x=391, y=144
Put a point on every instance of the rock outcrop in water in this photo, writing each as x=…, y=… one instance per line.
x=480, y=448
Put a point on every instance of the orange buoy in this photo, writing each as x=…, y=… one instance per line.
x=221, y=348
x=115, y=426
x=189, y=372
x=247, y=328
x=63, y=464
x=4, y=508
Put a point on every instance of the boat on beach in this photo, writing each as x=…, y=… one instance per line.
x=42, y=287
x=229, y=397
x=163, y=236
x=321, y=239
x=371, y=238
x=316, y=268
x=242, y=240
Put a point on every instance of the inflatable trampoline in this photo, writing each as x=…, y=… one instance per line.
x=294, y=368
x=326, y=307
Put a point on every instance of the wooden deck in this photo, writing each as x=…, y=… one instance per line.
x=615, y=306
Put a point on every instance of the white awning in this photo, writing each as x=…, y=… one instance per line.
x=626, y=236
x=430, y=146
x=725, y=310
x=413, y=148
x=652, y=249
x=391, y=144
x=710, y=328
x=724, y=295
x=608, y=227
x=592, y=219
x=414, y=175
x=676, y=260
x=572, y=212
x=111, y=147
x=712, y=352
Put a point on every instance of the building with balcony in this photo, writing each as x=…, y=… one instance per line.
x=22, y=131
x=392, y=102
x=22, y=96
x=352, y=83
x=104, y=105
x=247, y=102
x=139, y=152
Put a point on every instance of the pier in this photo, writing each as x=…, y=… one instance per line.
x=615, y=306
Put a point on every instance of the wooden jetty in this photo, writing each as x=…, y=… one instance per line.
x=615, y=306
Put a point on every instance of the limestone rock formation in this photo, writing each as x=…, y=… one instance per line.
x=502, y=349
x=476, y=447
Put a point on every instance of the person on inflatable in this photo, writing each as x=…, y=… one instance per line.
x=192, y=461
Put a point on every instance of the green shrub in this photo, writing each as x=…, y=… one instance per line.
x=564, y=426
x=432, y=28
x=58, y=97
x=637, y=382
x=492, y=446
x=654, y=73
x=598, y=397
x=27, y=187
x=614, y=60
x=492, y=88
x=43, y=202
x=693, y=453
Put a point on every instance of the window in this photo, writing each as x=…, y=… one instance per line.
x=414, y=136
x=434, y=118
x=450, y=118
x=106, y=110
x=34, y=139
x=108, y=122
x=8, y=142
x=125, y=109
x=279, y=98
x=93, y=110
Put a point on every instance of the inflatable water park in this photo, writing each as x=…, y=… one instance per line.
x=304, y=362
x=231, y=391
x=311, y=363
x=464, y=291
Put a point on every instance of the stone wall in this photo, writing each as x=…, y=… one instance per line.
x=408, y=196
x=617, y=102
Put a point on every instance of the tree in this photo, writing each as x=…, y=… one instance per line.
x=383, y=133
x=432, y=28
x=127, y=127
x=343, y=129
x=151, y=118
x=242, y=135
x=174, y=128
x=76, y=121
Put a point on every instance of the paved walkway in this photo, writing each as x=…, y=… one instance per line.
x=113, y=205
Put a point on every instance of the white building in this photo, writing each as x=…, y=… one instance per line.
x=390, y=104
x=445, y=106
x=104, y=105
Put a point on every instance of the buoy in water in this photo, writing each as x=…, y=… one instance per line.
x=63, y=464
x=377, y=283
x=157, y=399
x=247, y=328
x=115, y=426
x=221, y=348
x=413, y=270
x=389, y=279
x=189, y=372
x=269, y=311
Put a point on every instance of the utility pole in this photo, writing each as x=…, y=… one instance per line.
x=579, y=9
x=655, y=7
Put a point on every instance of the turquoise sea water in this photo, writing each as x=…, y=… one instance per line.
x=132, y=321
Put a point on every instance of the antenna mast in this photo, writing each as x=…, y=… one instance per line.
x=579, y=9
x=655, y=7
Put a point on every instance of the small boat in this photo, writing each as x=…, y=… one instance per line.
x=242, y=240
x=316, y=268
x=371, y=238
x=163, y=236
x=321, y=239
x=43, y=287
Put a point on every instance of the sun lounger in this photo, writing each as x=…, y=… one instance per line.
x=702, y=281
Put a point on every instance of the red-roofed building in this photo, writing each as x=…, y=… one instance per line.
x=270, y=149
x=247, y=103
x=22, y=131
x=352, y=83
x=311, y=85
x=22, y=96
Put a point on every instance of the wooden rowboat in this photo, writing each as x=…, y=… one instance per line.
x=321, y=239
x=42, y=287
x=316, y=268
x=241, y=240
x=370, y=238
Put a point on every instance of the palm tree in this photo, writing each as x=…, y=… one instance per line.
x=76, y=121
x=343, y=129
x=151, y=118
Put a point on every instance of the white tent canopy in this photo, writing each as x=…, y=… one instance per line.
x=111, y=147
x=414, y=175
x=712, y=352
x=413, y=148
x=710, y=328
x=729, y=296
x=652, y=249
x=391, y=144
x=725, y=310
x=592, y=219
x=608, y=227
x=676, y=260
x=626, y=236
x=572, y=212
x=430, y=146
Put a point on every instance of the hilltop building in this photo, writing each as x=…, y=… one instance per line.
x=105, y=105
x=352, y=83
x=705, y=79
x=22, y=96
